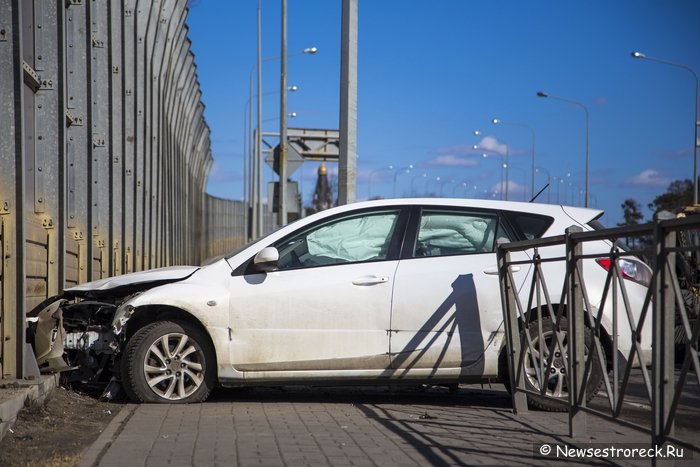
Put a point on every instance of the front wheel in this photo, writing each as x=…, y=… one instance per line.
x=555, y=378
x=168, y=361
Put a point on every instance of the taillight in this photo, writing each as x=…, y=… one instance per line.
x=630, y=269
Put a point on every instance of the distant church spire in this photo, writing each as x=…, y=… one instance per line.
x=322, y=195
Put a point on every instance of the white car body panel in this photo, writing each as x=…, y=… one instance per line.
x=297, y=346
x=170, y=273
x=204, y=296
x=313, y=319
x=445, y=311
x=381, y=320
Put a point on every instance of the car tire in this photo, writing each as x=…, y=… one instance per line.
x=556, y=383
x=168, y=362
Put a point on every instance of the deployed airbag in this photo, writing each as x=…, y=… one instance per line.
x=358, y=239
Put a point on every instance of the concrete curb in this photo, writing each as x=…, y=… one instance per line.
x=16, y=394
x=91, y=456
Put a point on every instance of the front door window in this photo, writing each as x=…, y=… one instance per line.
x=356, y=239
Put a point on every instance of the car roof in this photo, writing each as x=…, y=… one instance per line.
x=582, y=215
x=579, y=215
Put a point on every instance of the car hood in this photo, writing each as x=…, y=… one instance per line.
x=130, y=283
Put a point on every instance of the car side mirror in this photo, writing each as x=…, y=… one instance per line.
x=266, y=259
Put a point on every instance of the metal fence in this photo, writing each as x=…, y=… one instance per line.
x=104, y=151
x=665, y=309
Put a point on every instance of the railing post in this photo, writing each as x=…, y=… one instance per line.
x=663, y=330
x=576, y=333
x=510, y=320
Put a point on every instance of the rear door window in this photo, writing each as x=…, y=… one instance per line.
x=442, y=233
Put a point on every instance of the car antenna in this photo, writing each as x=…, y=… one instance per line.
x=539, y=193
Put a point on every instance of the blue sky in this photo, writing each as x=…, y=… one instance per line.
x=432, y=72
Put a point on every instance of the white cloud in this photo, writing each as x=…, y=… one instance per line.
x=457, y=150
x=649, y=177
x=516, y=191
x=451, y=160
x=491, y=144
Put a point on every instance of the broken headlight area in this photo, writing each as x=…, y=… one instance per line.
x=89, y=343
x=77, y=338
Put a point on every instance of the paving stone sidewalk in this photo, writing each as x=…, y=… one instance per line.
x=314, y=427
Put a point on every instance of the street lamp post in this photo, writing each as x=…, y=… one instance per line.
x=467, y=185
x=282, y=207
x=369, y=179
x=427, y=186
x=442, y=185
x=585, y=109
x=257, y=208
x=558, y=181
x=406, y=169
x=503, y=166
x=695, y=119
x=561, y=180
x=524, y=180
x=248, y=159
x=462, y=184
x=255, y=163
x=423, y=175
x=549, y=180
x=497, y=121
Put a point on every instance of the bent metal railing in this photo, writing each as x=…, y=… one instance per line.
x=664, y=309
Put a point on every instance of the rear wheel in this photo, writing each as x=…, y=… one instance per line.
x=555, y=378
x=168, y=361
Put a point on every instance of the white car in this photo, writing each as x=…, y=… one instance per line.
x=378, y=292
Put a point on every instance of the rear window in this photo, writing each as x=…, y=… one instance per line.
x=529, y=226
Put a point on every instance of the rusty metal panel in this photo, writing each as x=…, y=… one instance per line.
x=142, y=177
x=159, y=201
x=50, y=134
x=79, y=145
x=100, y=111
x=176, y=37
x=223, y=226
x=116, y=139
x=129, y=137
x=147, y=15
x=72, y=263
x=32, y=83
x=12, y=191
x=2, y=277
x=35, y=28
x=37, y=259
x=72, y=58
x=99, y=260
x=104, y=151
x=12, y=305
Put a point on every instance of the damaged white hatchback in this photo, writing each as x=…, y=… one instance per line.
x=378, y=292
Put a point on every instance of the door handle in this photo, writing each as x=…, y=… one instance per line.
x=493, y=270
x=370, y=280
